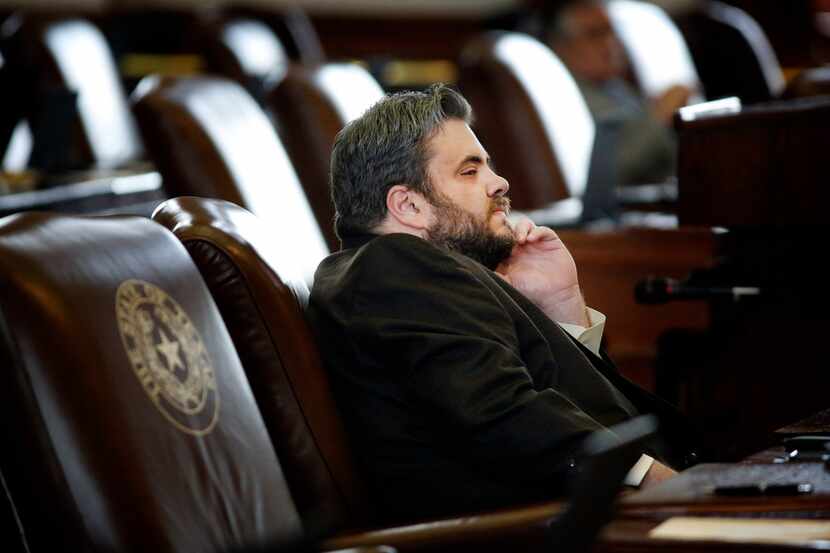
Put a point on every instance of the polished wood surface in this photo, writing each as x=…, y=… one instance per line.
x=818, y=423
x=611, y=264
x=694, y=489
x=763, y=166
x=691, y=494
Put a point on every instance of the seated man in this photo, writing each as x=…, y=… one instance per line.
x=462, y=387
x=580, y=33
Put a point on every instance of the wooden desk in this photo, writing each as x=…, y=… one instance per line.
x=125, y=191
x=691, y=494
x=691, y=491
x=611, y=264
x=632, y=536
x=815, y=424
x=763, y=166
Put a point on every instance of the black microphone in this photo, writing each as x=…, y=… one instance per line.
x=655, y=290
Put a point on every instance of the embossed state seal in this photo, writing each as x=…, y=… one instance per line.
x=167, y=356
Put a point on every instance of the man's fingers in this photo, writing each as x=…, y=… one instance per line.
x=541, y=233
x=522, y=229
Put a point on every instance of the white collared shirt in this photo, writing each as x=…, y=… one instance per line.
x=591, y=338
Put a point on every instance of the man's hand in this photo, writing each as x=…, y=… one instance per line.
x=656, y=474
x=671, y=99
x=541, y=267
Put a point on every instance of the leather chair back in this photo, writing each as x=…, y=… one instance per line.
x=731, y=53
x=261, y=299
x=655, y=47
x=247, y=51
x=311, y=105
x=209, y=138
x=131, y=424
x=291, y=24
x=69, y=61
x=530, y=116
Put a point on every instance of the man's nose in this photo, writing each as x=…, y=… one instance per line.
x=499, y=186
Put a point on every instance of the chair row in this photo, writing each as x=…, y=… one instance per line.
x=210, y=138
x=162, y=391
x=515, y=83
x=532, y=117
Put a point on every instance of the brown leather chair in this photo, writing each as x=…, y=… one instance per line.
x=310, y=105
x=533, y=120
x=261, y=300
x=731, y=53
x=291, y=24
x=78, y=108
x=128, y=421
x=247, y=51
x=209, y=138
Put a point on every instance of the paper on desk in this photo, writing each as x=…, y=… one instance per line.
x=783, y=531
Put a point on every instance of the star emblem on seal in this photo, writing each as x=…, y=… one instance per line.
x=168, y=356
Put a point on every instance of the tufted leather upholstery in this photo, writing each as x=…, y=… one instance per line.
x=209, y=138
x=530, y=116
x=250, y=277
x=132, y=424
x=311, y=105
x=69, y=60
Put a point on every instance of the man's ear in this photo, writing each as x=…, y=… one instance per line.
x=408, y=207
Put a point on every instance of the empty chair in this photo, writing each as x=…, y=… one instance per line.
x=77, y=106
x=534, y=122
x=209, y=138
x=290, y=23
x=254, y=46
x=310, y=106
x=128, y=421
x=731, y=53
x=247, y=51
x=655, y=47
x=309, y=101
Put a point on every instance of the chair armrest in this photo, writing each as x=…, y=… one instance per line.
x=367, y=549
x=526, y=523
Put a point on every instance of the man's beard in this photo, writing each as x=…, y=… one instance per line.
x=458, y=230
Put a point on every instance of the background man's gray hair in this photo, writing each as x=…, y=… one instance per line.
x=385, y=147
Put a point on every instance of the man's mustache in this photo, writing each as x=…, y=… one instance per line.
x=501, y=203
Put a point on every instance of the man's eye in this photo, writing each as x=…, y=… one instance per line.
x=470, y=172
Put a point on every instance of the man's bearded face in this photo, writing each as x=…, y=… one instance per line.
x=459, y=230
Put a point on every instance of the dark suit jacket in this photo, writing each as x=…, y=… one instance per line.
x=458, y=392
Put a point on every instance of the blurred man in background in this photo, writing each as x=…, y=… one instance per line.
x=581, y=34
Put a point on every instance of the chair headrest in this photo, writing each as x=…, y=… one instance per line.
x=86, y=65
x=211, y=139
